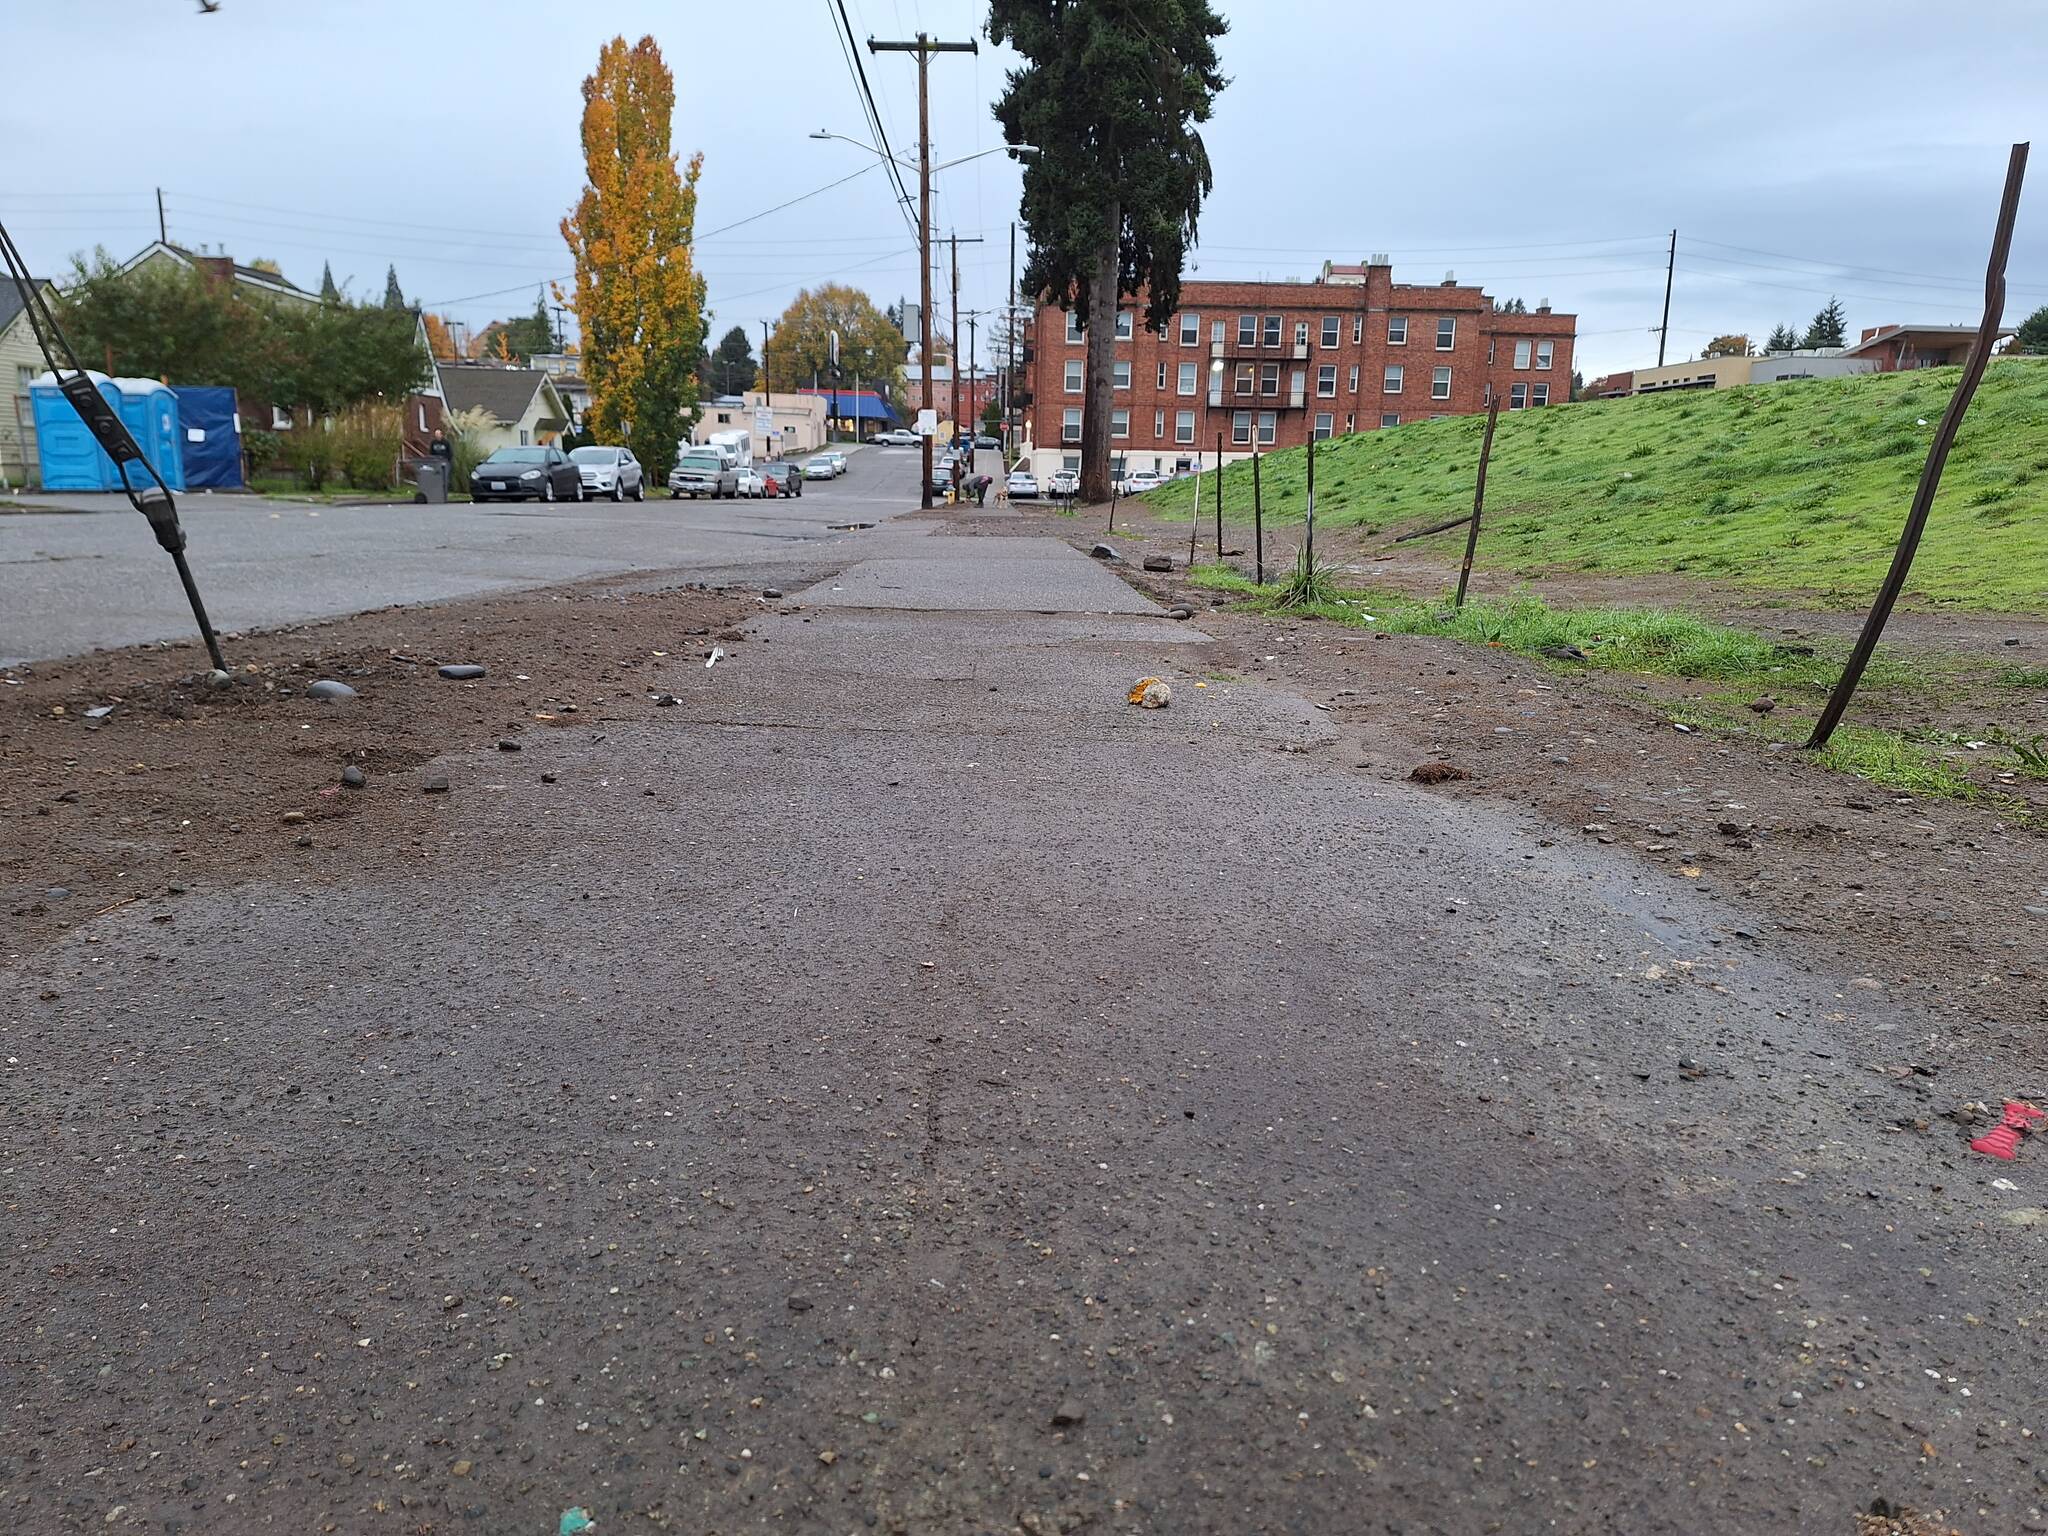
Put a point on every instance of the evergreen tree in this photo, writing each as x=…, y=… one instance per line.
x=394, y=296
x=531, y=333
x=1829, y=329
x=328, y=292
x=2032, y=336
x=730, y=369
x=1783, y=339
x=1111, y=92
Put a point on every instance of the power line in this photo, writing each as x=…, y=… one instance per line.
x=842, y=32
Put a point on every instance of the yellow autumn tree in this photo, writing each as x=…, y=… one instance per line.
x=439, y=342
x=639, y=298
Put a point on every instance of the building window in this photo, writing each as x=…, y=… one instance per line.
x=1183, y=426
x=1354, y=378
x=1123, y=325
x=1446, y=335
x=1189, y=374
x=1159, y=423
x=1300, y=335
x=1390, y=419
x=1070, y=461
x=1392, y=386
x=524, y=440
x=280, y=420
x=1269, y=378
x=1518, y=396
x=1119, y=423
x=1543, y=354
x=1073, y=329
x=1162, y=375
x=1070, y=425
x=1246, y=376
x=1521, y=354
x=1271, y=332
x=1073, y=375
x=1326, y=424
x=1539, y=394
x=1357, y=329
x=1397, y=330
x=1326, y=380
x=1247, y=330
x=1267, y=420
x=1330, y=330
x=1440, y=384
x=1120, y=373
x=1240, y=426
x=1190, y=330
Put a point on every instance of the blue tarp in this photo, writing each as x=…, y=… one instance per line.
x=213, y=436
x=847, y=404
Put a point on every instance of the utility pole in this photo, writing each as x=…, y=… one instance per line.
x=1670, y=265
x=924, y=48
x=163, y=232
x=955, y=242
x=972, y=352
x=1010, y=362
x=767, y=384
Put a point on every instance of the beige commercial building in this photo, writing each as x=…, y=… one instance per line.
x=799, y=422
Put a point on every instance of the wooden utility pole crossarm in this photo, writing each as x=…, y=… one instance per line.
x=924, y=47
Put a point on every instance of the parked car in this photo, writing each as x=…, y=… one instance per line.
x=749, y=482
x=612, y=472
x=541, y=472
x=783, y=478
x=703, y=473
x=818, y=467
x=1144, y=480
x=897, y=437
x=986, y=441
x=1023, y=485
x=1064, y=482
x=838, y=460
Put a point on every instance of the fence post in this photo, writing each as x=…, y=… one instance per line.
x=1478, y=500
x=1937, y=457
x=1195, y=522
x=1219, y=498
x=1258, y=521
x=1310, y=546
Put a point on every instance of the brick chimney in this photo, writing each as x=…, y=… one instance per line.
x=218, y=269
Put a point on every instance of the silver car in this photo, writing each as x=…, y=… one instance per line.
x=703, y=474
x=612, y=472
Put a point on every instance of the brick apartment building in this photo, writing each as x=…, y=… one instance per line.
x=1268, y=365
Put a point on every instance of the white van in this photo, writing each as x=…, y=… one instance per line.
x=738, y=446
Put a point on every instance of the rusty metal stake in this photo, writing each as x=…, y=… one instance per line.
x=1478, y=501
x=1195, y=522
x=1258, y=521
x=1219, y=498
x=1937, y=458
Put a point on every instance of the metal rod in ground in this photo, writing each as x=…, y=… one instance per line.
x=1195, y=522
x=1219, y=498
x=1478, y=501
x=1309, y=549
x=1937, y=457
x=199, y=610
x=1258, y=524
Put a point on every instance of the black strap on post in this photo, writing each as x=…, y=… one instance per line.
x=152, y=499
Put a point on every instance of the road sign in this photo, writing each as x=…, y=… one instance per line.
x=927, y=423
x=764, y=421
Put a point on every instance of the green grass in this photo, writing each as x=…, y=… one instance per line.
x=1739, y=663
x=1790, y=486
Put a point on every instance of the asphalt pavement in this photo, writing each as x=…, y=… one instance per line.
x=72, y=581
x=904, y=1087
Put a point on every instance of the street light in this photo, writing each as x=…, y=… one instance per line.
x=1020, y=149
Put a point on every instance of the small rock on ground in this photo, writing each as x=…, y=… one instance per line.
x=461, y=672
x=354, y=777
x=1159, y=562
x=1437, y=773
x=436, y=784
x=1105, y=552
x=328, y=688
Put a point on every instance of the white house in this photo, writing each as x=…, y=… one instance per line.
x=523, y=403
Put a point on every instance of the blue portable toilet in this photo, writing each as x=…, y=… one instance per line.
x=71, y=458
x=212, y=429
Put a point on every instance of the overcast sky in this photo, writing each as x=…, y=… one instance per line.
x=1801, y=150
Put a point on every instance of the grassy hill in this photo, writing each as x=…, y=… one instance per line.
x=1800, y=485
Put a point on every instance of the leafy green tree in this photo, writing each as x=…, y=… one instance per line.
x=334, y=356
x=2032, y=336
x=1783, y=339
x=992, y=417
x=1110, y=92
x=1830, y=328
x=730, y=369
x=1728, y=346
x=800, y=349
x=328, y=292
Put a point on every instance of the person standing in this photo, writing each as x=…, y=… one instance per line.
x=442, y=452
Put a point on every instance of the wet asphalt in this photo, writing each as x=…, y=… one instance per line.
x=956, y=1101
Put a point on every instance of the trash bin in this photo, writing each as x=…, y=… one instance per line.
x=432, y=481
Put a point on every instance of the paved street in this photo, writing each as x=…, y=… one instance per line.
x=904, y=1087
x=72, y=581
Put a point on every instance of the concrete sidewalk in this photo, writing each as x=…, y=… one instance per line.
x=901, y=1086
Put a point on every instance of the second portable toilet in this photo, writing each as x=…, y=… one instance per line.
x=71, y=459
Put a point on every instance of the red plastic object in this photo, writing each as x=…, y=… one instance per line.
x=2004, y=1142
